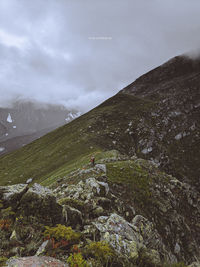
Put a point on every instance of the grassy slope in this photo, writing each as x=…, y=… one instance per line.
x=71, y=146
x=104, y=128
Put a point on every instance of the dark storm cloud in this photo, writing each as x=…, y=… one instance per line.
x=79, y=53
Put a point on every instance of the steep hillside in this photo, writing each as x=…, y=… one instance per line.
x=102, y=128
x=14, y=143
x=173, y=137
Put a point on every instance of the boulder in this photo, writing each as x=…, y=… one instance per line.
x=151, y=238
x=11, y=195
x=128, y=239
x=43, y=248
x=101, y=167
x=96, y=187
x=116, y=224
x=72, y=216
x=86, y=190
x=120, y=234
x=35, y=261
x=40, y=203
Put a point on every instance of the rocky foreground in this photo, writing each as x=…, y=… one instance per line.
x=122, y=212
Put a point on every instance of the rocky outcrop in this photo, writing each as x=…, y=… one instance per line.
x=40, y=203
x=129, y=239
x=167, y=222
x=23, y=214
x=10, y=195
x=146, y=219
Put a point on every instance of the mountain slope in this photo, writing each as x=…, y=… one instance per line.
x=14, y=143
x=156, y=117
x=149, y=218
x=90, y=133
x=175, y=135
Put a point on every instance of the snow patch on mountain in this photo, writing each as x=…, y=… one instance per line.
x=2, y=149
x=9, y=118
x=72, y=116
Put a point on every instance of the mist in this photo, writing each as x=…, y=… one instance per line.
x=78, y=54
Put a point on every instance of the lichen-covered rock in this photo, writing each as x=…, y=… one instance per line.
x=40, y=203
x=123, y=247
x=13, y=236
x=86, y=190
x=101, y=167
x=10, y=195
x=177, y=212
x=43, y=248
x=116, y=224
x=91, y=198
x=128, y=239
x=72, y=216
x=151, y=238
x=35, y=261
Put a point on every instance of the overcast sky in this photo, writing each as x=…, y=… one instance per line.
x=80, y=52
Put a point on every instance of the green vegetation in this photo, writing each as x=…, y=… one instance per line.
x=70, y=147
x=3, y=261
x=77, y=260
x=79, y=165
x=7, y=213
x=59, y=150
x=61, y=232
x=100, y=251
x=134, y=176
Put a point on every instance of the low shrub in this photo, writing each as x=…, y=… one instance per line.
x=101, y=251
x=77, y=260
x=5, y=224
x=61, y=232
x=61, y=236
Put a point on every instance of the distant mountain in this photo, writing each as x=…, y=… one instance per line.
x=27, y=121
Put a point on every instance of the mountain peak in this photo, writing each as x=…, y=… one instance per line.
x=177, y=69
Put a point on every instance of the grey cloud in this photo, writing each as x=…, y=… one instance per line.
x=78, y=53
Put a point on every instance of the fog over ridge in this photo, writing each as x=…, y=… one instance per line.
x=79, y=54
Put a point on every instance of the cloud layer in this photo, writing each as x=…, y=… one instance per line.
x=78, y=53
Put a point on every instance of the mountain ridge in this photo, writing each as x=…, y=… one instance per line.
x=138, y=205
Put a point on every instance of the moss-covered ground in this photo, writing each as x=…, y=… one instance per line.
x=133, y=175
